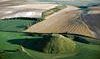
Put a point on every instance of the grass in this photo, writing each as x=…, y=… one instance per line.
x=60, y=45
x=16, y=24
x=53, y=46
x=80, y=50
x=86, y=51
x=5, y=36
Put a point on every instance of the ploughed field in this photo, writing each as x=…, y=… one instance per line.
x=16, y=44
x=30, y=38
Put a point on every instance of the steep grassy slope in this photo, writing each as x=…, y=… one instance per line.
x=86, y=51
x=59, y=44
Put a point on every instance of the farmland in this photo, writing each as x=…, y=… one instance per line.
x=34, y=29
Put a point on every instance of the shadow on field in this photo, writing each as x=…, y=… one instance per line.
x=37, y=44
x=82, y=40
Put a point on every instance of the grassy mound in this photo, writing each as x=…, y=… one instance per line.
x=59, y=44
x=85, y=51
x=44, y=46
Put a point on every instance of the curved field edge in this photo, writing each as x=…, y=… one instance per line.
x=17, y=24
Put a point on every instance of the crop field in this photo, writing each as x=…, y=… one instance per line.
x=63, y=32
x=17, y=44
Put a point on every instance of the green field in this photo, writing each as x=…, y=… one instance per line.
x=14, y=45
x=16, y=24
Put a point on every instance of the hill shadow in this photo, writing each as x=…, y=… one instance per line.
x=37, y=44
x=80, y=39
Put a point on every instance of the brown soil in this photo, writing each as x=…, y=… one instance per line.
x=62, y=22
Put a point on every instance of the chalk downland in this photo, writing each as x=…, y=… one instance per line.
x=63, y=21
